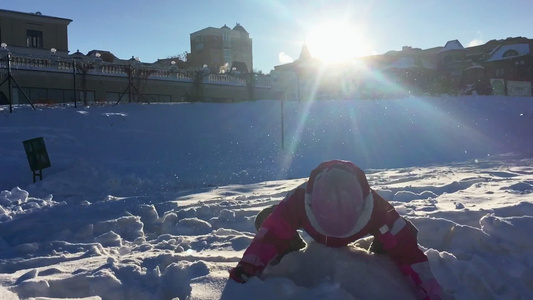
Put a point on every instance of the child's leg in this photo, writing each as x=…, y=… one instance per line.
x=262, y=215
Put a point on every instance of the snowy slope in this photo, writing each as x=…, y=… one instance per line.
x=158, y=201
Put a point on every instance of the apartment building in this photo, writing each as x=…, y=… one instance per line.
x=221, y=49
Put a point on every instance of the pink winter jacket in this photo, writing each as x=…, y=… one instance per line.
x=398, y=236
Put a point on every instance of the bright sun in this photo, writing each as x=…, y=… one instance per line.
x=336, y=41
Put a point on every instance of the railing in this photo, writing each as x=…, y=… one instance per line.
x=32, y=62
x=264, y=81
x=113, y=69
x=98, y=67
x=219, y=78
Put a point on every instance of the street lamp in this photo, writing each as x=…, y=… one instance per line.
x=54, y=61
x=173, y=67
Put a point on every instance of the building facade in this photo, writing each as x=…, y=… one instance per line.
x=33, y=33
x=221, y=49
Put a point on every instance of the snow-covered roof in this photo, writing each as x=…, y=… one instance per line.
x=521, y=50
x=452, y=45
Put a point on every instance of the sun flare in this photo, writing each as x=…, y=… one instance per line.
x=336, y=41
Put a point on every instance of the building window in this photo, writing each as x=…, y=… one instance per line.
x=199, y=46
x=499, y=72
x=510, y=53
x=227, y=56
x=199, y=39
x=34, y=39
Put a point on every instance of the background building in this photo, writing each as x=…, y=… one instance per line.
x=221, y=49
x=36, y=67
x=33, y=33
x=498, y=67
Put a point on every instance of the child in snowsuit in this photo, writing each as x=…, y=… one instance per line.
x=336, y=207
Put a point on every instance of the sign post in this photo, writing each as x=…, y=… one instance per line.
x=37, y=156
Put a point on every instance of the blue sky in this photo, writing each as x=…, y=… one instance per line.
x=160, y=28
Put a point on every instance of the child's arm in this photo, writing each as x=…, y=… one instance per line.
x=273, y=237
x=399, y=239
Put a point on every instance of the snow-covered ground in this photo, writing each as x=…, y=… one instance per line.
x=158, y=201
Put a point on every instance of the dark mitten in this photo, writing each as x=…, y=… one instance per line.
x=377, y=247
x=242, y=272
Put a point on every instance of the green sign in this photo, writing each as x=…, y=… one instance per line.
x=498, y=86
x=36, y=153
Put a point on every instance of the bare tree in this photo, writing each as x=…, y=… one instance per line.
x=250, y=79
x=197, y=77
x=137, y=78
x=83, y=69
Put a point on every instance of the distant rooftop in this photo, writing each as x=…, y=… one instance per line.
x=35, y=14
x=238, y=27
x=515, y=50
x=452, y=45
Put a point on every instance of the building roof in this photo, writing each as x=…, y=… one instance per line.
x=104, y=55
x=218, y=31
x=34, y=15
x=305, y=53
x=77, y=55
x=238, y=27
x=499, y=53
x=452, y=45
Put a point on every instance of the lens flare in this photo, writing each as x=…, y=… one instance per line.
x=337, y=41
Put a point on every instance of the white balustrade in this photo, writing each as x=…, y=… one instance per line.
x=63, y=64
